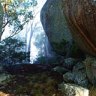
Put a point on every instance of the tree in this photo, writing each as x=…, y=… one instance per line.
x=12, y=51
x=1, y=19
x=15, y=14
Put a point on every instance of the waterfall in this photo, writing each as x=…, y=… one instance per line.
x=37, y=41
x=28, y=35
x=48, y=50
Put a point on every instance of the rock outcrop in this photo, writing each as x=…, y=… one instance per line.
x=57, y=30
x=81, y=17
x=90, y=65
x=73, y=71
x=73, y=90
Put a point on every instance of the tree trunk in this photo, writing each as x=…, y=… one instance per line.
x=1, y=20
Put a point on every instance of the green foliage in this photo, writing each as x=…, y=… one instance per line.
x=12, y=51
x=17, y=13
x=41, y=60
x=74, y=48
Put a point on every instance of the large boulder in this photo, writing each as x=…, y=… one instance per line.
x=81, y=17
x=55, y=26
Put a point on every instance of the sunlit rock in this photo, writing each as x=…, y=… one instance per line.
x=73, y=90
x=5, y=94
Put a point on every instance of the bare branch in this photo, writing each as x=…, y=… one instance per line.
x=5, y=24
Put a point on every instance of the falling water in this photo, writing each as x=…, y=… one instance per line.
x=37, y=41
x=48, y=51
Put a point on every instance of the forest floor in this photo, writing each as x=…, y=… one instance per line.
x=37, y=84
x=29, y=83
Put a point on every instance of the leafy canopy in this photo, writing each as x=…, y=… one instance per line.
x=17, y=13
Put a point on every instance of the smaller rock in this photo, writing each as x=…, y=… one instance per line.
x=90, y=65
x=78, y=66
x=69, y=63
x=73, y=90
x=80, y=78
x=4, y=77
x=68, y=77
x=60, y=70
x=5, y=94
x=77, y=76
x=1, y=69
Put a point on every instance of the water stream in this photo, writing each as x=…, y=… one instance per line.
x=37, y=41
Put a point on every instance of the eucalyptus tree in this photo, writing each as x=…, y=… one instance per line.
x=12, y=51
x=1, y=19
x=15, y=14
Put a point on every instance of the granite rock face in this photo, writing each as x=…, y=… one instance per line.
x=90, y=65
x=55, y=26
x=73, y=90
x=81, y=17
x=57, y=30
